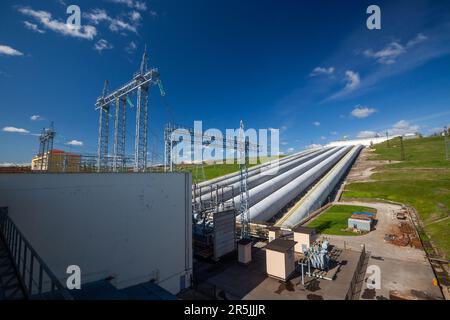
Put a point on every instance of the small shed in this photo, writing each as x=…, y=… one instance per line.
x=280, y=259
x=274, y=233
x=304, y=237
x=360, y=222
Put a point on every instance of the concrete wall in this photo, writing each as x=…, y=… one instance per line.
x=133, y=227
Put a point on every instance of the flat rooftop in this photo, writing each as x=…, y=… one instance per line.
x=251, y=282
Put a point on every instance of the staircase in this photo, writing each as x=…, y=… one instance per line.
x=23, y=273
x=10, y=286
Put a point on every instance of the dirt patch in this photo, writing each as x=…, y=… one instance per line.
x=365, y=166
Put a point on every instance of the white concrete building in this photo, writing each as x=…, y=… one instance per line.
x=133, y=228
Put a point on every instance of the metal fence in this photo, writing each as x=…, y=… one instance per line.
x=37, y=279
x=351, y=294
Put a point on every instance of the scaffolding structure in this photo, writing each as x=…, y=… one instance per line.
x=240, y=145
x=46, y=144
x=118, y=99
x=244, y=195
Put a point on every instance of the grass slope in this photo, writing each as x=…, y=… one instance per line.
x=421, y=181
x=335, y=220
x=212, y=171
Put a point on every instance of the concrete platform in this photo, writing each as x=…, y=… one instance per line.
x=234, y=281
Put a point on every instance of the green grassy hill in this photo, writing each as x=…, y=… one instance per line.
x=421, y=181
x=212, y=171
x=334, y=221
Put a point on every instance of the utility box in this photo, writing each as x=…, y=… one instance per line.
x=245, y=251
x=280, y=259
x=274, y=233
x=304, y=238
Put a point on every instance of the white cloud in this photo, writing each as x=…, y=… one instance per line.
x=322, y=71
x=45, y=18
x=33, y=27
x=403, y=127
x=323, y=138
x=334, y=133
x=135, y=4
x=36, y=117
x=361, y=112
x=393, y=50
x=290, y=150
x=75, y=143
x=316, y=123
x=131, y=47
x=353, y=80
x=418, y=39
x=135, y=16
x=388, y=55
x=367, y=134
x=102, y=44
x=284, y=143
x=7, y=50
x=15, y=130
x=117, y=24
x=96, y=16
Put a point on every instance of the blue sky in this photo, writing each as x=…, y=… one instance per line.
x=310, y=68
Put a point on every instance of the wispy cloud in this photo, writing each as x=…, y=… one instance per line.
x=102, y=44
x=117, y=24
x=394, y=50
x=131, y=47
x=361, y=112
x=36, y=117
x=15, y=130
x=33, y=27
x=45, y=19
x=316, y=123
x=388, y=55
x=322, y=71
x=75, y=143
x=367, y=134
x=403, y=127
x=135, y=4
x=353, y=80
x=8, y=51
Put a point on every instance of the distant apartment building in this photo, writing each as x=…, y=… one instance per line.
x=56, y=161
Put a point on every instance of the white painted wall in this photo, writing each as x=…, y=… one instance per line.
x=130, y=226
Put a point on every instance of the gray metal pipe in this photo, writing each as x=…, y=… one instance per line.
x=233, y=189
x=267, y=189
x=273, y=203
x=205, y=187
x=318, y=195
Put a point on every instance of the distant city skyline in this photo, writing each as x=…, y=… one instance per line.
x=311, y=69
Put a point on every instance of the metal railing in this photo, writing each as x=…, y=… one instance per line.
x=35, y=276
x=351, y=294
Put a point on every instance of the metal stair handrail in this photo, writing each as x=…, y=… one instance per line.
x=20, y=249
